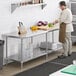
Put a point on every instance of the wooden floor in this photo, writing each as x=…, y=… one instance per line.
x=14, y=68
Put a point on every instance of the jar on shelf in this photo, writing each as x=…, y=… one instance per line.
x=25, y=0
x=41, y=1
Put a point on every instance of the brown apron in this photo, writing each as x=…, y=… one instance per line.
x=62, y=32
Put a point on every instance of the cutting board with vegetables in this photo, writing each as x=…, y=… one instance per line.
x=42, y=26
x=45, y=26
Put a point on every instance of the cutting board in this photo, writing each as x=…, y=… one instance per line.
x=44, y=28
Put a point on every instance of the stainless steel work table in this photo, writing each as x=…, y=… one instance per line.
x=37, y=52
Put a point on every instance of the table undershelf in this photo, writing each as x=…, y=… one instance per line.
x=37, y=52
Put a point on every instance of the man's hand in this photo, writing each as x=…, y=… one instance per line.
x=55, y=22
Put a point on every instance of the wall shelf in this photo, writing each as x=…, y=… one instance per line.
x=14, y=6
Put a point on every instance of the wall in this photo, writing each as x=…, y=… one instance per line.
x=28, y=15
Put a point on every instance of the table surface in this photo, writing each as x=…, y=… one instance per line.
x=58, y=73
x=31, y=33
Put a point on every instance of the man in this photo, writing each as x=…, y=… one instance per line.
x=66, y=17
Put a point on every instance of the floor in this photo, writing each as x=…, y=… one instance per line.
x=14, y=68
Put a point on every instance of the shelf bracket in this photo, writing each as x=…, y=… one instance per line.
x=13, y=7
x=44, y=5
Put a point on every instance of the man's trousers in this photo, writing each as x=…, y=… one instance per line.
x=67, y=45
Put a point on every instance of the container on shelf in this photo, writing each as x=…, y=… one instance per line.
x=41, y=1
x=25, y=0
x=35, y=1
x=49, y=45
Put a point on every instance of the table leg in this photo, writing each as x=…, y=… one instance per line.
x=6, y=50
x=31, y=40
x=32, y=48
x=21, y=53
x=21, y=65
x=52, y=36
x=32, y=43
x=46, y=47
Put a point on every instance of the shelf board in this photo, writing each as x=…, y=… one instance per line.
x=28, y=56
x=37, y=52
x=14, y=6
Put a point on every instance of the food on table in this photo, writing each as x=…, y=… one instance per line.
x=34, y=28
x=45, y=23
x=42, y=23
x=50, y=25
x=41, y=26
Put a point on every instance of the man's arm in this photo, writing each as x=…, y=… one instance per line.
x=56, y=21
